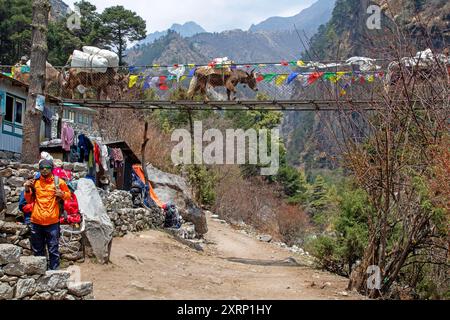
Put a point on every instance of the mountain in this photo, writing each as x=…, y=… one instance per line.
x=185, y=30
x=346, y=35
x=346, y=32
x=240, y=46
x=272, y=40
x=59, y=9
x=169, y=49
x=307, y=20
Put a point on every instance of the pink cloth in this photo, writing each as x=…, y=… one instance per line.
x=63, y=174
x=67, y=136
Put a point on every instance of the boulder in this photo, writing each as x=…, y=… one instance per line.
x=9, y=253
x=42, y=296
x=16, y=181
x=34, y=265
x=6, y=173
x=24, y=173
x=60, y=295
x=13, y=228
x=29, y=265
x=173, y=188
x=80, y=289
x=25, y=287
x=6, y=291
x=99, y=228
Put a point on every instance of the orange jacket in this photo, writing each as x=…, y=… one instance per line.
x=46, y=208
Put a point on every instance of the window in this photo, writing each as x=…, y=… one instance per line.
x=9, y=108
x=14, y=111
x=19, y=111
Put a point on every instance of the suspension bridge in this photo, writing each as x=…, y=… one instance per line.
x=284, y=86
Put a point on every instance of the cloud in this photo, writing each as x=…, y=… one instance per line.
x=213, y=15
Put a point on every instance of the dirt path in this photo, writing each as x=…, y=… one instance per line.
x=233, y=266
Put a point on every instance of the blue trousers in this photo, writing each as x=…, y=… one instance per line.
x=46, y=236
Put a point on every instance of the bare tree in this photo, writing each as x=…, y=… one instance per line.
x=393, y=162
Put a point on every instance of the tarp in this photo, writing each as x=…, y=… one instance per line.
x=140, y=173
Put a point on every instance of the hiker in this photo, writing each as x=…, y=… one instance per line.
x=46, y=192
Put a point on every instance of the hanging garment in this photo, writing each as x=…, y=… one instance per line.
x=67, y=135
x=104, y=157
x=97, y=156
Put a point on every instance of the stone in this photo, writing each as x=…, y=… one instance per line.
x=265, y=238
x=6, y=291
x=25, y=287
x=5, y=278
x=9, y=253
x=88, y=297
x=215, y=216
x=28, y=167
x=98, y=226
x=80, y=289
x=6, y=173
x=60, y=295
x=69, y=297
x=79, y=167
x=42, y=296
x=13, y=228
x=74, y=256
x=34, y=265
x=14, y=269
x=24, y=173
x=15, y=181
x=25, y=243
x=134, y=257
x=53, y=280
x=7, y=191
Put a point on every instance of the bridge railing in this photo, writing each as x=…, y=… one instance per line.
x=283, y=81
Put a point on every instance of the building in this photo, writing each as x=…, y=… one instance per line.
x=13, y=97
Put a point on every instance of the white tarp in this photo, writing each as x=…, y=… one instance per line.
x=86, y=62
x=113, y=58
x=98, y=226
x=94, y=60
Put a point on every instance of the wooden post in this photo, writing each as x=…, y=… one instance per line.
x=143, y=146
x=39, y=52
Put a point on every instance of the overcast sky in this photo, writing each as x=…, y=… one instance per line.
x=212, y=15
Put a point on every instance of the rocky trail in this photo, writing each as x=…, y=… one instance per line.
x=233, y=265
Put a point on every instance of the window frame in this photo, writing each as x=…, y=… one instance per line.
x=15, y=125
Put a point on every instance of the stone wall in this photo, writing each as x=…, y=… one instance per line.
x=125, y=218
x=8, y=155
x=27, y=278
x=128, y=219
x=14, y=174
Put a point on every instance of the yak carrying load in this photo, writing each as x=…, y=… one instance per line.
x=97, y=69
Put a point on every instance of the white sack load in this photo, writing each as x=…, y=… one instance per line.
x=365, y=64
x=86, y=62
x=113, y=58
